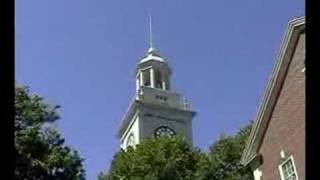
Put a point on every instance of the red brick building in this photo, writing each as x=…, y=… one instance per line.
x=276, y=147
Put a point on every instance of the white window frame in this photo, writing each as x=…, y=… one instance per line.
x=294, y=167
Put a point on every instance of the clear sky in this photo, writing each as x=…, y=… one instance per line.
x=81, y=54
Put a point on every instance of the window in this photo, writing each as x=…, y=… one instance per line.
x=130, y=141
x=288, y=170
x=163, y=98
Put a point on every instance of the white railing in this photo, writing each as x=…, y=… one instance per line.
x=174, y=99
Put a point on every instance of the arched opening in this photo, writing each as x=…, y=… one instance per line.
x=146, y=77
x=158, y=79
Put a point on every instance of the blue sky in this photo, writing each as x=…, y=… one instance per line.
x=81, y=54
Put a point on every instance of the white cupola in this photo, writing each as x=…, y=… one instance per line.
x=153, y=71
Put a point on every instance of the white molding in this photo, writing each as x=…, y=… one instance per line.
x=145, y=68
x=257, y=174
x=151, y=57
x=124, y=118
x=132, y=121
x=282, y=154
x=142, y=69
x=131, y=135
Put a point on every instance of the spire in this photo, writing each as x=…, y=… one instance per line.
x=151, y=48
x=150, y=31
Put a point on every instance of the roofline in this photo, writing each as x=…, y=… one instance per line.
x=294, y=29
x=124, y=120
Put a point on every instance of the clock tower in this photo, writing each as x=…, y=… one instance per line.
x=156, y=110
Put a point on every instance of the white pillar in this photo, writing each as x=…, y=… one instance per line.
x=137, y=83
x=152, y=78
x=257, y=174
x=141, y=78
x=164, y=85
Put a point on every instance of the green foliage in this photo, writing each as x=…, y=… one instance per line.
x=39, y=148
x=156, y=159
x=173, y=159
x=225, y=155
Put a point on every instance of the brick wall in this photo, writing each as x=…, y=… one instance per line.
x=286, y=129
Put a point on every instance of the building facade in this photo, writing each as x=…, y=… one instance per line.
x=155, y=110
x=276, y=146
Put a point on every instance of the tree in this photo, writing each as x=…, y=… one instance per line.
x=172, y=158
x=39, y=148
x=156, y=159
x=224, y=158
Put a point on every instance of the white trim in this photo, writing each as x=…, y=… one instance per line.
x=152, y=75
x=132, y=121
x=151, y=57
x=125, y=116
x=282, y=154
x=273, y=87
x=294, y=168
x=145, y=68
x=142, y=69
x=257, y=174
x=131, y=140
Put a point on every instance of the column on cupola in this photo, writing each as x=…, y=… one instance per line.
x=141, y=78
x=164, y=85
x=138, y=82
x=165, y=82
x=152, y=78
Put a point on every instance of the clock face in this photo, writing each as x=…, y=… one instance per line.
x=130, y=141
x=164, y=131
